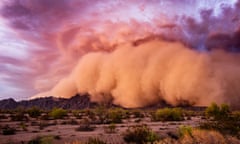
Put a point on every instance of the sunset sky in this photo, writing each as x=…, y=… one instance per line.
x=41, y=41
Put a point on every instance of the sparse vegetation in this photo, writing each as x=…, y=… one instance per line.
x=110, y=128
x=42, y=140
x=7, y=130
x=218, y=120
x=168, y=114
x=34, y=112
x=23, y=126
x=58, y=113
x=115, y=115
x=140, y=134
x=217, y=112
x=85, y=126
x=19, y=116
x=222, y=120
x=185, y=130
x=200, y=137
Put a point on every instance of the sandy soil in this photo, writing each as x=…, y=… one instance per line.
x=67, y=132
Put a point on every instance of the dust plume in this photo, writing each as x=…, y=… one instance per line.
x=137, y=76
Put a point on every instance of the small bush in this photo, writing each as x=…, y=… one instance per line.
x=185, y=130
x=115, y=115
x=58, y=113
x=34, y=112
x=231, y=127
x=43, y=125
x=6, y=130
x=23, y=126
x=45, y=116
x=138, y=114
x=2, y=116
x=85, y=126
x=42, y=140
x=19, y=116
x=217, y=112
x=140, y=134
x=168, y=114
x=110, y=128
x=77, y=114
x=236, y=115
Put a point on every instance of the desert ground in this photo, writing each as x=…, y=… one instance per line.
x=108, y=125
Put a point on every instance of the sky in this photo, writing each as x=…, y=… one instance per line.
x=41, y=41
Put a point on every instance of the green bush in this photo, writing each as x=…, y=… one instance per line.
x=217, y=112
x=42, y=140
x=138, y=114
x=23, y=126
x=110, y=128
x=223, y=121
x=34, y=112
x=168, y=114
x=236, y=115
x=58, y=113
x=115, y=115
x=6, y=130
x=140, y=134
x=185, y=130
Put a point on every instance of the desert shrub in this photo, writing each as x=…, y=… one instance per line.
x=110, y=128
x=58, y=113
x=137, y=114
x=57, y=137
x=185, y=130
x=45, y=116
x=2, y=116
x=23, y=126
x=34, y=112
x=77, y=113
x=217, y=112
x=19, y=116
x=85, y=126
x=168, y=114
x=6, y=130
x=192, y=113
x=231, y=127
x=95, y=141
x=236, y=115
x=115, y=115
x=72, y=122
x=223, y=121
x=42, y=140
x=140, y=134
x=99, y=113
x=43, y=124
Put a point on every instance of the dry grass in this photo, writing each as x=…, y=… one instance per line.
x=199, y=136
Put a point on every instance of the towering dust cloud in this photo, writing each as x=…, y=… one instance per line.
x=140, y=75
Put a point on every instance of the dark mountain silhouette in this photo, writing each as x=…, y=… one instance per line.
x=75, y=102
